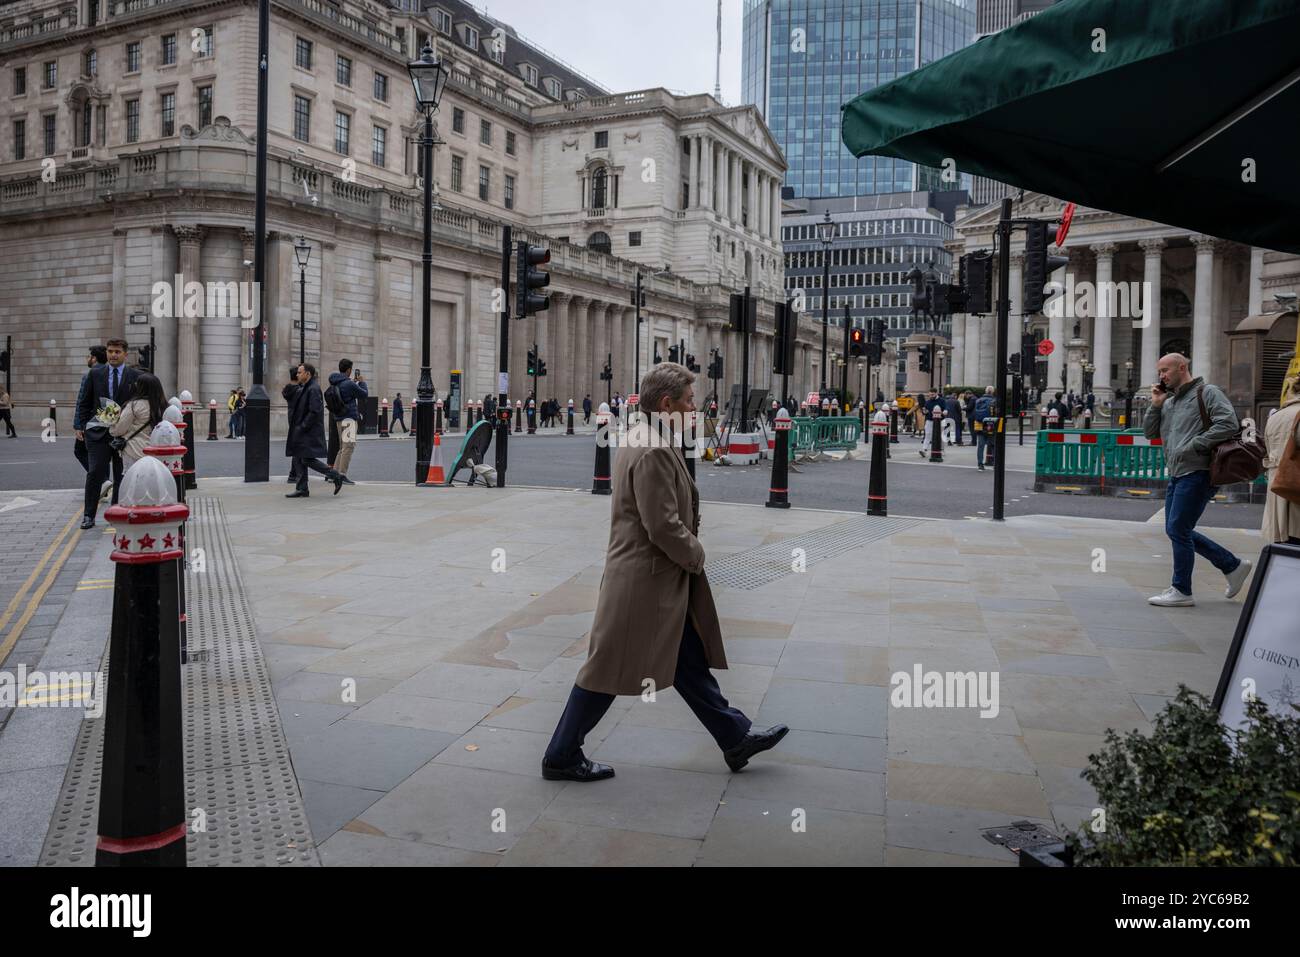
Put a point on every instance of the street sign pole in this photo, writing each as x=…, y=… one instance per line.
x=503, y=367
x=1000, y=360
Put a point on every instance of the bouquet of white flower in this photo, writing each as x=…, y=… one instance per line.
x=108, y=414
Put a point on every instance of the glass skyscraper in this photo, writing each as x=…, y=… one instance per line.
x=802, y=59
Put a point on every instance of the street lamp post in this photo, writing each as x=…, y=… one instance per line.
x=257, y=409
x=302, y=250
x=941, y=355
x=825, y=232
x=429, y=77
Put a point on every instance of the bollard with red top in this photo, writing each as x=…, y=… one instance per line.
x=142, y=784
x=187, y=414
x=877, y=494
x=778, y=493
x=519, y=416
x=569, y=430
x=165, y=445
x=600, y=483
x=383, y=417
x=532, y=417
x=54, y=417
x=212, y=420
x=437, y=417
x=936, y=435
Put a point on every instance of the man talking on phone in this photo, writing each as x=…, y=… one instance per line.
x=1175, y=418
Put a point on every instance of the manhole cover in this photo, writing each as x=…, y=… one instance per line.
x=1019, y=835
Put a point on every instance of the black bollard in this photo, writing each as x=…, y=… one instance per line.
x=54, y=417
x=437, y=418
x=936, y=436
x=600, y=482
x=212, y=420
x=519, y=416
x=187, y=435
x=383, y=418
x=893, y=425
x=778, y=492
x=569, y=429
x=532, y=417
x=142, y=785
x=877, y=493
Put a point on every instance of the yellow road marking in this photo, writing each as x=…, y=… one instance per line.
x=91, y=587
x=17, y=599
x=7, y=645
x=96, y=581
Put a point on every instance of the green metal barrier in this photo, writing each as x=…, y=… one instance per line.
x=1070, y=456
x=1133, y=462
x=802, y=435
x=837, y=432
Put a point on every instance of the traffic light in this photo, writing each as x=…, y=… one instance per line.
x=977, y=279
x=4, y=360
x=146, y=357
x=857, y=343
x=787, y=328
x=1038, y=265
x=737, y=321
x=527, y=279
x=1013, y=364
x=715, y=367
x=607, y=374
x=532, y=362
x=691, y=363
x=541, y=368
x=674, y=354
x=925, y=359
x=1028, y=354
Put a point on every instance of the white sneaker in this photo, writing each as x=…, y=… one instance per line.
x=1237, y=578
x=106, y=490
x=1171, y=597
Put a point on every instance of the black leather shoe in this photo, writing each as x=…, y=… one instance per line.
x=338, y=479
x=298, y=495
x=87, y=523
x=739, y=756
x=348, y=481
x=585, y=770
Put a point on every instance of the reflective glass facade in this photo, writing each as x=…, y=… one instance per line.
x=802, y=59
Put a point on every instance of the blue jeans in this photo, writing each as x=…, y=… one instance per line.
x=984, y=440
x=1185, y=500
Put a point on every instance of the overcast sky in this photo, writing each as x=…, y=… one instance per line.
x=634, y=44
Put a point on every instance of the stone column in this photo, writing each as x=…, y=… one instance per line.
x=1016, y=318
x=520, y=343
x=599, y=346
x=776, y=212
x=1255, y=301
x=692, y=172
x=1056, y=310
x=1202, y=312
x=988, y=351
x=245, y=378
x=735, y=187
x=565, y=356
x=958, y=365
x=581, y=350
x=616, y=338
x=1145, y=374
x=760, y=184
x=706, y=172
x=1101, y=333
x=189, y=248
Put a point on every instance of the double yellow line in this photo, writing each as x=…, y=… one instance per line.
x=52, y=570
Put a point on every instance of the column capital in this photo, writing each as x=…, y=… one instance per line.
x=1152, y=247
x=1104, y=250
x=188, y=235
x=247, y=237
x=1203, y=243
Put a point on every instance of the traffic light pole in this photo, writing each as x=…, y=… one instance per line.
x=503, y=365
x=636, y=332
x=424, y=388
x=257, y=408
x=1000, y=359
x=744, y=366
x=844, y=376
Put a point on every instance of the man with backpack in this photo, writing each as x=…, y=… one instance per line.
x=1190, y=417
x=986, y=414
x=341, y=399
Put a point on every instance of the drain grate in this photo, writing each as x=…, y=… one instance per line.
x=765, y=564
x=1019, y=835
x=244, y=803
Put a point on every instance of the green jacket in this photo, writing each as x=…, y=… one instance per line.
x=1179, y=426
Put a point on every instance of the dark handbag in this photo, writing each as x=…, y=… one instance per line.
x=117, y=443
x=1286, y=477
x=1236, y=459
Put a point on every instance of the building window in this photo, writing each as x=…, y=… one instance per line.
x=444, y=22
x=90, y=63
x=302, y=119
x=343, y=71
x=686, y=194
x=634, y=238
x=133, y=57
x=205, y=44
x=342, y=131
x=48, y=121
x=602, y=139
x=20, y=80
x=484, y=183
x=169, y=49
x=553, y=87
x=530, y=74
x=20, y=139
x=599, y=242
x=471, y=38
x=379, y=146
x=717, y=244
x=381, y=87
x=599, y=189
x=457, y=174
x=733, y=249
x=485, y=132
x=302, y=54
x=510, y=143
x=168, y=114
x=133, y=121
x=510, y=192
x=497, y=49
x=51, y=75
x=83, y=131
x=205, y=106
x=457, y=120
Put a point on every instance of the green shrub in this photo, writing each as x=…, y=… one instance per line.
x=1197, y=793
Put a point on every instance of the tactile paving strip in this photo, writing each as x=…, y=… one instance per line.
x=244, y=802
x=765, y=564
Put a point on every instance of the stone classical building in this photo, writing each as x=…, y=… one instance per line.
x=1202, y=289
x=127, y=159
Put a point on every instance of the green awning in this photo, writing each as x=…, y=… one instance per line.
x=1122, y=130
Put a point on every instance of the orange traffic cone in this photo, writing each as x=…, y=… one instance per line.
x=435, y=476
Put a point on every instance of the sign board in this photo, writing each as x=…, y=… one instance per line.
x=1063, y=230
x=814, y=398
x=138, y=319
x=503, y=383
x=1264, y=659
x=633, y=398
x=453, y=400
x=1046, y=347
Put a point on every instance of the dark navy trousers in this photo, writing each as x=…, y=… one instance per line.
x=693, y=681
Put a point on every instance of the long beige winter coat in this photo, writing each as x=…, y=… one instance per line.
x=1281, y=518
x=654, y=572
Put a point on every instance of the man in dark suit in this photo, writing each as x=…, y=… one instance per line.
x=97, y=355
x=305, y=443
x=106, y=382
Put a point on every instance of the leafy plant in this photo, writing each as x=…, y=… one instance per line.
x=1197, y=793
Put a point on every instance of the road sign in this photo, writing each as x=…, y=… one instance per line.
x=633, y=399
x=1046, y=347
x=1066, y=218
x=814, y=398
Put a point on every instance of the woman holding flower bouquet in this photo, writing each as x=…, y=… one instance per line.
x=100, y=406
x=143, y=410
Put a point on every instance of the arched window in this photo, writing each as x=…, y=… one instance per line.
x=598, y=189
x=599, y=243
